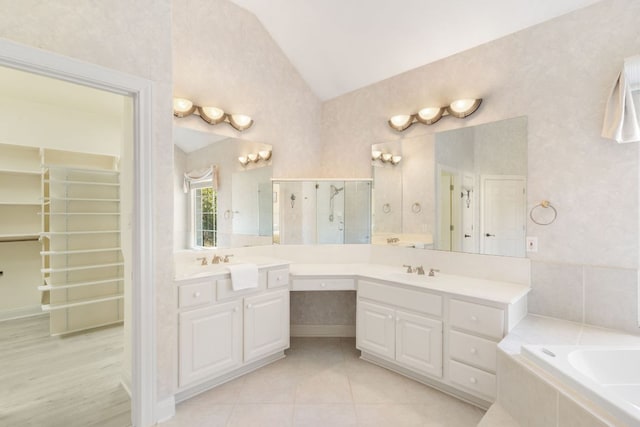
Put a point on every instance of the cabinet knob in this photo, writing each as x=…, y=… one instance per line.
x=277, y=278
x=196, y=294
x=474, y=319
x=472, y=380
x=249, y=305
x=235, y=310
x=323, y=285
x=391, y=316
x=473, y=350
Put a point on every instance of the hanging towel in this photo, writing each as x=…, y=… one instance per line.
x=243, y=276
x=621, y=115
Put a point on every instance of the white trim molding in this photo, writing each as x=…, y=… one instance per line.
x=166, y=409
x=33, y=60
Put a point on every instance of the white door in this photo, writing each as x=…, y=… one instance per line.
x=375, y=329
x=266, y=324
x=502, y=215
x=210, y=342
x=419, y=343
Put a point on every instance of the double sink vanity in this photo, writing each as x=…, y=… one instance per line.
x=441, y=330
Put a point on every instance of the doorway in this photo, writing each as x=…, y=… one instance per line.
x=502, y=215
x=142, y=337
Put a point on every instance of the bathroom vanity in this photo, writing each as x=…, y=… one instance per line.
x=442, y=330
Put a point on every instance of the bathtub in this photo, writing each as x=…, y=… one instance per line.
x=609, y=376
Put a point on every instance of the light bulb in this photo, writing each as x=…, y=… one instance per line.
x=240, y=121
x=386, y=157
x=264, y=154
x=243, y=160
x=252, y=157
x=401, y=121
x=430, y=115
x=463, y=107
x=395, y=160
x=376, y=154
x=182, y=107
x=211, y=115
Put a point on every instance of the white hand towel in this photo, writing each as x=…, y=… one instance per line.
x=243, y=276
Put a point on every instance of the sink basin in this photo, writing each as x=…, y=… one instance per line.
x=412, y=277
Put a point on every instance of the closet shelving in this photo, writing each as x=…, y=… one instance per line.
x=82, y=265
x=19, y=193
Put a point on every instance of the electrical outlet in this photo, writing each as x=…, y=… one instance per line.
x=532, y=244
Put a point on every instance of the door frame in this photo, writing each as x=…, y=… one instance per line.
x=143, y=338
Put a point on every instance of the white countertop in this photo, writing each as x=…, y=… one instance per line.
x=195, y=271
x=502, y=292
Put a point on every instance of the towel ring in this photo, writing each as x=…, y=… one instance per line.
x=543, y=204
x=416, y=208
x=386, y=208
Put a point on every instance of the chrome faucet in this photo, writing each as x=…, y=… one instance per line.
x=420, y=270
x=409, y=268
x=216, y=259
x=432, y=272
x=203, y=260
x=226, y=258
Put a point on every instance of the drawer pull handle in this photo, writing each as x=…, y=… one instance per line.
x=474, y=319
x=474, y=351
x=249, y=306
x=472, y=380
x=196, y=294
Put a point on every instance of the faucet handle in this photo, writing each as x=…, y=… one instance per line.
x=433, y=271
x=216, y=259
x=409, y=268
x=226, y=258
x=203, y=260
x=420, y=271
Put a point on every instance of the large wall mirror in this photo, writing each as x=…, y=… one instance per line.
x=238, y=212
x=460, y=190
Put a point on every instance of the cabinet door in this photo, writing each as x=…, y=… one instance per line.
x=266, y=324
x=375, y=329
x=210, y=341
x=419, y=343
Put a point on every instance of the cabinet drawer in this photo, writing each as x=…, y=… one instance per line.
x=423, y=302
x=482, y=319
x=195, y=294
x=475, y=380
x=323, y=285
x=472, y=350
x=225, y=290
x=278, y=278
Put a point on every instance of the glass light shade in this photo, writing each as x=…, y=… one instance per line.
x=430, y=115
x=375, y=155
x=240, y=121
x=243, y=160
x=386, y=157
x=264, y=154
x=395, y=160
x=401, y=121
x=253, y=157
x=182, y=107
x=463, y=107
x=211, y=115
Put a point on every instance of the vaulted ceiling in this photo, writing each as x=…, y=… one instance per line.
x=342, y=45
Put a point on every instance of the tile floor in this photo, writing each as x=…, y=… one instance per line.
x=322, y=382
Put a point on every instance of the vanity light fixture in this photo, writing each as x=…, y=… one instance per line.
x=460, y=108
x=385, y=157
x=183, y=107
x=263, y=155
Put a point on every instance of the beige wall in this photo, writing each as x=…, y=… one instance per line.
x=133, y=37
x=559, y=75
x=224, y=57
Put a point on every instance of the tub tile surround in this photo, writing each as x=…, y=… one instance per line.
x=532, y=396
x=601, y=296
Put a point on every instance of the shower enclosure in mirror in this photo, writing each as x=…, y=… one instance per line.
x=460, y=190
x=323, y=211
x=235, y=212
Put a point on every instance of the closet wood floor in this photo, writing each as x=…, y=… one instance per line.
x=61, y=381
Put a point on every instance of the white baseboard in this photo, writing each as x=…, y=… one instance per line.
x=323, y=331
x=19, y=313
x=166, y=409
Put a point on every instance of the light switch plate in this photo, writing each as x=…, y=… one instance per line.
x=532, y=244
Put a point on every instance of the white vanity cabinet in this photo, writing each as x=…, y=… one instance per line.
x=210, y=341
x=223, y=333
x=407, y=331
x=266, y=324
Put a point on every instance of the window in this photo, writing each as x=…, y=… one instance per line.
x=205, y=218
